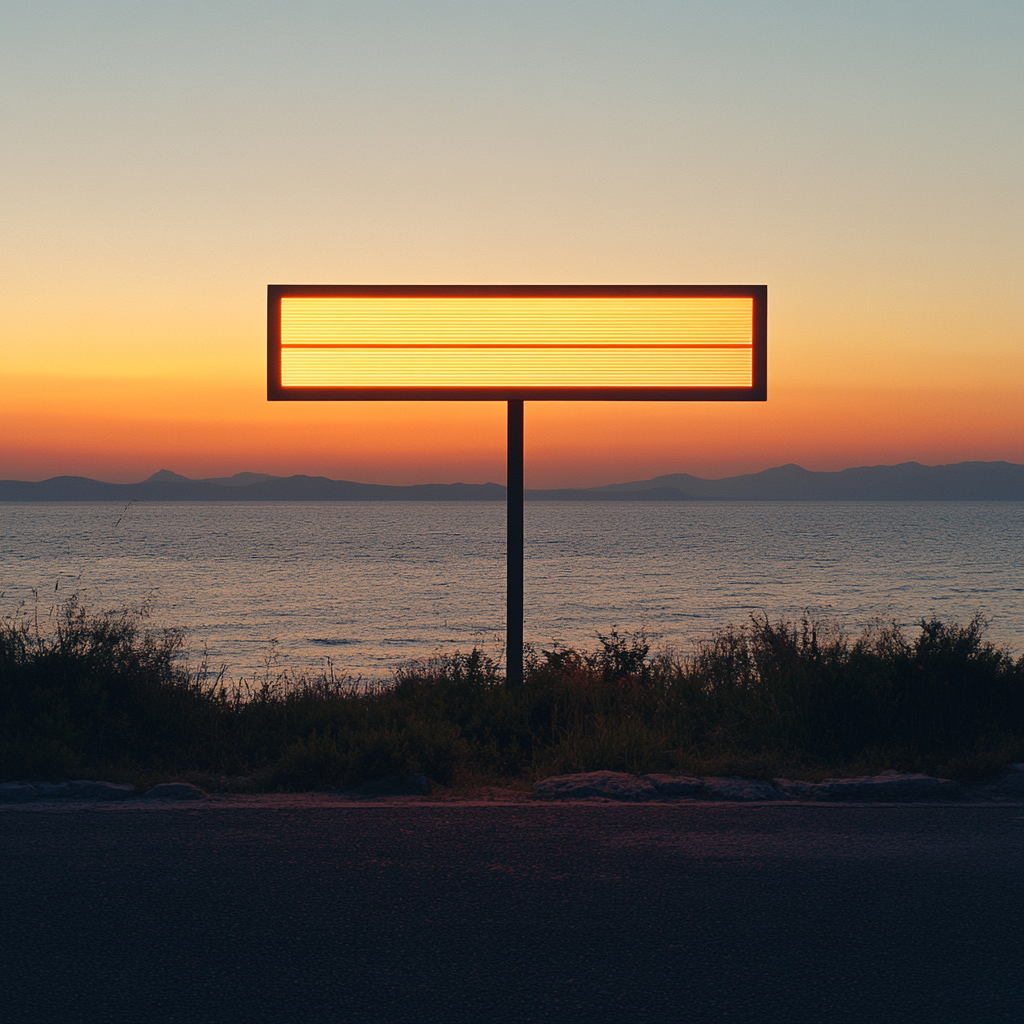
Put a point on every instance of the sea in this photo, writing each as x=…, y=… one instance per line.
x=360, y=589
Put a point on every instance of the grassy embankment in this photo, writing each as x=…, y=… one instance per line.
x=98, y=697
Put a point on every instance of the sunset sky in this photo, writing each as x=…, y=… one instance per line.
x=164, y=162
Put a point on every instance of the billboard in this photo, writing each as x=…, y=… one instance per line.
x=517, y=342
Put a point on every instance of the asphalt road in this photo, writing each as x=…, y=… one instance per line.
x=498, y=913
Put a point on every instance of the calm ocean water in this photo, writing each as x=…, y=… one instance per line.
x=371, y=585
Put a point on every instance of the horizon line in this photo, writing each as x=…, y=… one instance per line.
x=430, y=483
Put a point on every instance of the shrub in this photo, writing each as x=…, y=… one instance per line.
x=101, y=696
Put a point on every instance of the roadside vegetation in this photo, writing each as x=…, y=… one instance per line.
x=98, y=696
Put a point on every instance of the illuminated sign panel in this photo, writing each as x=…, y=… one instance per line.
x=516, y=342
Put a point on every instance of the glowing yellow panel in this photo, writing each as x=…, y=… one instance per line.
x=532, y=344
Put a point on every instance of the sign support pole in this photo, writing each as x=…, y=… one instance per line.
x=514, y=497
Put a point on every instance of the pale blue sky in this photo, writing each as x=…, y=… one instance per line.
x=611, y=140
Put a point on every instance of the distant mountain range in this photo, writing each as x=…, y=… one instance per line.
x=909, y=481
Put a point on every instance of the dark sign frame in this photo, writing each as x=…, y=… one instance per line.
x=758, y=392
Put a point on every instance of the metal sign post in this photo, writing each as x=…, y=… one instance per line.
x=513, y=343
x=514, y=561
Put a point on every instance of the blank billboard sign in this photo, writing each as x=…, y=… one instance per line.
x=626, y=342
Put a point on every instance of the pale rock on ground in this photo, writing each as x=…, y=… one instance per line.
x=794, y=789
x=174, y=791
x=742, y=790
x=53, y=790
x=678, y=786
x=890, y=786
x=81, y=789
x=86, y=790
x=610, y=785
x=621, y=786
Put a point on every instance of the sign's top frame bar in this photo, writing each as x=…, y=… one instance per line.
x=497, y=291
x=758, y=392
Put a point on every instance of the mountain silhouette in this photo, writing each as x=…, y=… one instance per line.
x=909, y=481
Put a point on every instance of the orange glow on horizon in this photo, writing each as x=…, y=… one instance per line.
x=125, y=429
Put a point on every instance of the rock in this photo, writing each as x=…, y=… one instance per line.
x=1009, y=787
x=53, y=790
x=18, y=793
x=174, y=791
x=794, y=789
x=85, y=790
x=610, y=785
x=897, y=787
x=744, y=790
x=396, y=785
x=677, y=786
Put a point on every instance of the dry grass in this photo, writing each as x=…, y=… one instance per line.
x=98, y=696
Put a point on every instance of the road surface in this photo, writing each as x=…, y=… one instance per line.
x=290, y=911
